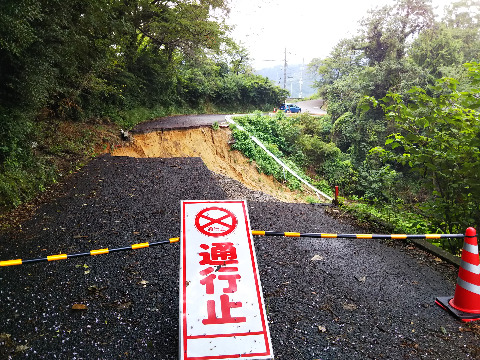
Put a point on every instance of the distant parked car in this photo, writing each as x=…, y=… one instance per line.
x=291, y=108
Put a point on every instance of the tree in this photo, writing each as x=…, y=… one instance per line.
x=182, y=25
x=343, y=60
x=463, y=17
x=439, y=140
x=82, y=59
x=50, y=51
x=435, y=49
x=373, y=62
x=237, y=57
x=387, y=30
x=463, y=14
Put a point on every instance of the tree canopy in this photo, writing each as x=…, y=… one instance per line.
x=105, y=59
x=428, y=126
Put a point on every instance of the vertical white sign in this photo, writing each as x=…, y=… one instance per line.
x=222, y=314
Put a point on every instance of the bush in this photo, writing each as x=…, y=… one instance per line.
x=317, y=151
x=377, y=183
x=20, y=183
x=339, y=171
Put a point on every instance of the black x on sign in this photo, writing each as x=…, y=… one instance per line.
x=215, y=221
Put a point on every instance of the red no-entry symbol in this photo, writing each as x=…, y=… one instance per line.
x=215, y=221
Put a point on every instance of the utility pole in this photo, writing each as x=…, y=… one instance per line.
x=285, y=71
x=301, y=80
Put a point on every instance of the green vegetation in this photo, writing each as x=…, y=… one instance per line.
x=401, y=138
x=104, y=62
x=406, y=145
x=438, y=140
x=288, y=138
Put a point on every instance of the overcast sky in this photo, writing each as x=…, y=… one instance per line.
x=307, y=28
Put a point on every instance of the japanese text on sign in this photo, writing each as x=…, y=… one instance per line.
x=222, y=315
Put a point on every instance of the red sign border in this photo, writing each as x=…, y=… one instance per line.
x=264, y=331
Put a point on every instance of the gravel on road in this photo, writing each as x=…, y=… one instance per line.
x=325, y=298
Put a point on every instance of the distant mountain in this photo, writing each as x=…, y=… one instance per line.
x=294, y=75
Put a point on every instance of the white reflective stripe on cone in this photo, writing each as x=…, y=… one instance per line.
x=475, y=269
x=467, y=286
x=470, y=248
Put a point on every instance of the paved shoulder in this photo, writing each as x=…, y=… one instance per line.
x=120, y=305
x=352, y=298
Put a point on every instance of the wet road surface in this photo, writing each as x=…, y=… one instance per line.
x=325, y=298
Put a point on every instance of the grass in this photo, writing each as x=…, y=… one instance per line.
x=398, y=219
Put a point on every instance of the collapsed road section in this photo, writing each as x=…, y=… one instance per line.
x=325, y=298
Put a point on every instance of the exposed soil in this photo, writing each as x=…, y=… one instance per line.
x=325, y=298
x=212, y=146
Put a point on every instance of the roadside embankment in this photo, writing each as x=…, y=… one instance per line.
x=212, y=146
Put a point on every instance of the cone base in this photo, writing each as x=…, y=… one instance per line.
x=444, y=302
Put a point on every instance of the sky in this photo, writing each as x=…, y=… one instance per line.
x=306, y=28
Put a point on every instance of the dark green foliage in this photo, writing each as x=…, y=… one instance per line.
x=270, y=131
x=439, y=140
x=435, y=49
x=265, y=128
x=386, y=30
x=125, y=61
x=377, y=182
x=248, y=91
x=340, y=172
x=429, y=128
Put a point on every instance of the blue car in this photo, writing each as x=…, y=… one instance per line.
x=291, y=108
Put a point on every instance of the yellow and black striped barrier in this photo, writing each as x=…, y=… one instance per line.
x=91, y=253
x=356, y=236
x=254, y=232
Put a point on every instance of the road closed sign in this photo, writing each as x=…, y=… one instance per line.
x=222, y=314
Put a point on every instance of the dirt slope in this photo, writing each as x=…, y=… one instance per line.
x=212, y=146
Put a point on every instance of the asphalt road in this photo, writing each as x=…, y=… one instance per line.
x=178, y=122
x=312, y=106
x=191, y=121
x=325, y=298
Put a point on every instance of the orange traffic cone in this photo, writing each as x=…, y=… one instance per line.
x=465, y=303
